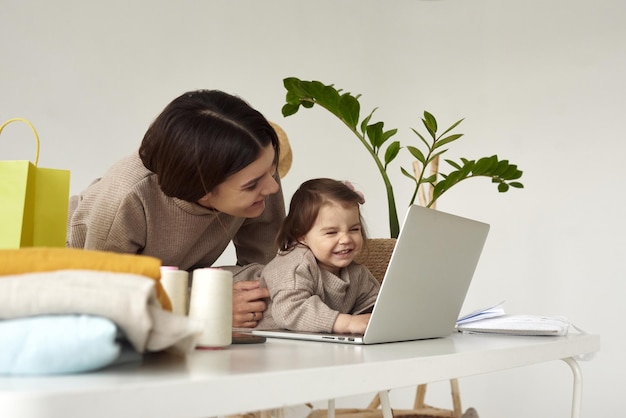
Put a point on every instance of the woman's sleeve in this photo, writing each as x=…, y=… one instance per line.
x=120, y=229
x=129, y=228
x=255, y=240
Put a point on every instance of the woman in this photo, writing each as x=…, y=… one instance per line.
x=205, y=175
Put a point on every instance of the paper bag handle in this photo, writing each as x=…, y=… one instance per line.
x=32, y=129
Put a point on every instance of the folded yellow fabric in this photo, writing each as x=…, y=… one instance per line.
x=42, y=259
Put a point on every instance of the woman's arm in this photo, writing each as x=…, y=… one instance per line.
x=104, y=226
x=248, y=303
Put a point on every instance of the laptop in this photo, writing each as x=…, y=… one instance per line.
x=425, y=284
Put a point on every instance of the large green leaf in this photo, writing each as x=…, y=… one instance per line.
x=454, y=125
x=375, y=134
x=430, y=123
x=406, y=173
x=366, y=121
x=392, y=152
x=485, y=165
x=453, y=164
x=447, y=140
x=290, y=109
x=349, y=109
x=388, y=134
x=294, y=89
x=421, y=137
x=416, y=153
x=511, y=173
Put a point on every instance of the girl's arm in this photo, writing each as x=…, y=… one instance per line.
x=295, y=283
x=300, y=310
x=368, y=288
x=351, y=324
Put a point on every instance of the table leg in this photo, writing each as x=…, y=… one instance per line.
x=385, y=404
x=578, y=386
x=331, y=409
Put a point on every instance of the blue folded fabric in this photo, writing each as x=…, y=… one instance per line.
x=57, y=344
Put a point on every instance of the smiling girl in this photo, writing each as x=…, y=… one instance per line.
x=314, y=283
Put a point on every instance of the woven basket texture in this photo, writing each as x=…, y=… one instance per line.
x=376, y=254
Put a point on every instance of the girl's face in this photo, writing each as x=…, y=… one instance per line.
x=335, y=238
x=243, y=193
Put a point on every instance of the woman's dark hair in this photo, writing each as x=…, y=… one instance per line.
x=305, y=206
x=200, y=139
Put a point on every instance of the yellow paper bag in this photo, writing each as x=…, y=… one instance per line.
x=33, y=202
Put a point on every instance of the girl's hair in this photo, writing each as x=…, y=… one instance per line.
x=305, y=206
x=200, y=139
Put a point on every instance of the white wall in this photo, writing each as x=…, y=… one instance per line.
x=541, y=83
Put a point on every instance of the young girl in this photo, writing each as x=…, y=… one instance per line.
x=313, y=282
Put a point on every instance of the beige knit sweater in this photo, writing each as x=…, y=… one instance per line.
x=305, y=297
x=125, y=211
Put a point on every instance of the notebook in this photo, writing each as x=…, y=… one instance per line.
x=518, y=325
x=425, y=284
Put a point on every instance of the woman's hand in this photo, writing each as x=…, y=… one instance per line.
x=248, y=303
x=351, y=324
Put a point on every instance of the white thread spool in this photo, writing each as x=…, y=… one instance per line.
x=176, y=284
x=211, y=302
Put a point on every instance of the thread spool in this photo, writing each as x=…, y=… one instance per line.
x=211, y=302
x=176, y=284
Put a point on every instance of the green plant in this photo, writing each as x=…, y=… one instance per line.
x=430, y=183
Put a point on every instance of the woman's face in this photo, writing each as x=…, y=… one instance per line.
x=243, y=193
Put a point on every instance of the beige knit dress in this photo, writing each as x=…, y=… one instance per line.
x=305, y=297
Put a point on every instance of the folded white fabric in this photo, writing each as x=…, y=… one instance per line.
x=128, y=300
x=57, y=344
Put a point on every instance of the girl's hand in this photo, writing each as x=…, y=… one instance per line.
x=351, y=324
x=248, y=303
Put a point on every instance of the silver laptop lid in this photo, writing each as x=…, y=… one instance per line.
x=428, y=276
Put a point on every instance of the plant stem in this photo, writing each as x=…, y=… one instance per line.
x=394, y=225
x=434, y=170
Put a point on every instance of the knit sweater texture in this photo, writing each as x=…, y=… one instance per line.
x=305, y=297
x=125, y=211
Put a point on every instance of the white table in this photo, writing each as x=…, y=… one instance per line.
x=278, y=373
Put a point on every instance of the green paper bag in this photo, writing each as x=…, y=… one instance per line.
x=33, y=202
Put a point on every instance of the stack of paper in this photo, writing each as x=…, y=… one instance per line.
x=493, y=320
x=490, y=312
